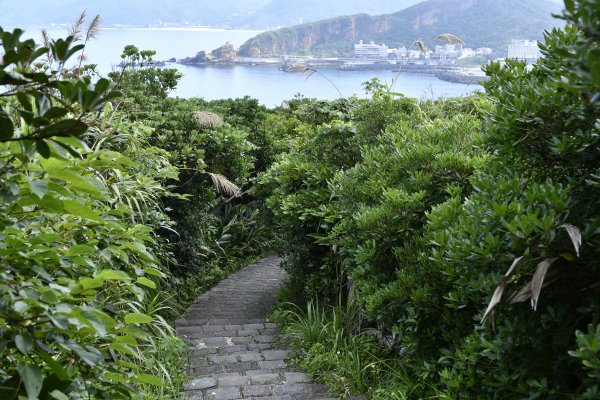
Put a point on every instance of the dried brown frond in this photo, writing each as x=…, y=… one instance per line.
x=75, y=29
x=208, y=119
x=224, y=185
x=450, y=38
x=421, y=44
x=93, y=28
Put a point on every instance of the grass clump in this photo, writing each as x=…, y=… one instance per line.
x=327, y=344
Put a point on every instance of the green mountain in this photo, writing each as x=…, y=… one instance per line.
x=286, y=13
x=480, y=23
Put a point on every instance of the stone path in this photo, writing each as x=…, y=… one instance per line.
x=235, y=354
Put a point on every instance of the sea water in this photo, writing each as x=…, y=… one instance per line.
x=267, y=83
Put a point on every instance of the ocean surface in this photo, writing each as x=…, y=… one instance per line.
x=264, y=82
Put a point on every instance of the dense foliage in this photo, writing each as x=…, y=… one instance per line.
x=80, y=262
x=112, y=218
x=440, y=219
x=436, y=249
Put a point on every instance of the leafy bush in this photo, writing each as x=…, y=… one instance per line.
x=79, y=207
x=441, y=218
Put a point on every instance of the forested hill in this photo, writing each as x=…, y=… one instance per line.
x=480, y=23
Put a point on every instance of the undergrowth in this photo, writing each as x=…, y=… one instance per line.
x=327, y=344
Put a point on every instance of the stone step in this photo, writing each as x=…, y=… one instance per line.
x=234, y=352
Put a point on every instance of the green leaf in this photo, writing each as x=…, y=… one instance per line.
x=75, y=208
x=91, y=356
x=130, y=340
x=112, y=275
x=154, y=272
x=150, y=379
x=24, y=343
x=51, y=204
x=49, y=297
x=60, y=321
x=7, y=128
x=66, y=127
x=58, y=369
x=89, y=283
x=58, y=395
x=134, y=331
x=123, y=348
x=115, y=377
x=32, y=379
x=43, y=104
x=74, y=50
x=43, y=148
x=146, y=282
x=80, y=250
x=55, y=112
x=138, y=318
x=72, y=142
x=24, y=101
x=58, y=169
x=38, y=187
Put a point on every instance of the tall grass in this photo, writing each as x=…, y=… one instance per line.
x=327, y=343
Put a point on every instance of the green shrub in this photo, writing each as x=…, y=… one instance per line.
x=436, y=216
x=79, y=207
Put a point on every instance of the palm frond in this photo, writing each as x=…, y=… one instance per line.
x=450, y=38
x=421, y=44
x=224, y=185
x=208, y=119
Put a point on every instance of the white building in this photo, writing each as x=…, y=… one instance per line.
x=524, y=50
x=397, y=54
x=371, y=50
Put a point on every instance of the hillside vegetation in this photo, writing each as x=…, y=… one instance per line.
x=480, y=23
x=448, y=249
x=436, y=249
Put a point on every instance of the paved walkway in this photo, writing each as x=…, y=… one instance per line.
x=235, y=352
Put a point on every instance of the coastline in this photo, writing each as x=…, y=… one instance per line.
x=473, y=75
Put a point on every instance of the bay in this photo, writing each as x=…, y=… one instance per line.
x=264, y=82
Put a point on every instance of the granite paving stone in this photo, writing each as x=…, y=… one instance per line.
x=234, y=350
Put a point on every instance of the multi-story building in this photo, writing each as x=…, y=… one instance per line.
x=370, y=50
x=527, y=50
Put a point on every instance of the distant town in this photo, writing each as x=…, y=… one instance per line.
x=372, y=54
x=446, y=54
x=450, y=61
x=443, y=60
